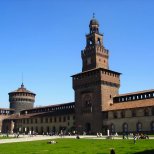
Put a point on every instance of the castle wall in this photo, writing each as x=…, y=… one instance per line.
x=46, y=124
x=131, y=117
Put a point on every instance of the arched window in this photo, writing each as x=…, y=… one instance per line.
x=139, y=126
x=152, y=126
x=125, y=127
x=112, y=128
x=98, y=41
x=90, y=42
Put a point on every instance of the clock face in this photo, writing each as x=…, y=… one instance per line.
x=89, y=61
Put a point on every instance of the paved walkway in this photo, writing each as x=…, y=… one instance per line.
x=41, y=137
x=26, y=138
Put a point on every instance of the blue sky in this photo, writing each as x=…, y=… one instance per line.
x=43, y=40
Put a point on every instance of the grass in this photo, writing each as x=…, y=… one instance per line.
x=81, y=146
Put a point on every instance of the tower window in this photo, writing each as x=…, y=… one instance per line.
x=98, y=41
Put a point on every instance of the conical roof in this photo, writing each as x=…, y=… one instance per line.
x=22, y=89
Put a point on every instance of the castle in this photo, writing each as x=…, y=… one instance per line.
x=98, y=105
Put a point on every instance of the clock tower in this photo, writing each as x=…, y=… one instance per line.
x=96, y=85
x=94, y=55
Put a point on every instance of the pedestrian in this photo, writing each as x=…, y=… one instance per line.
x=17, y=134
x=135, y=138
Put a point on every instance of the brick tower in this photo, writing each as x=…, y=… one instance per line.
x=96, y=85
x=21, y=99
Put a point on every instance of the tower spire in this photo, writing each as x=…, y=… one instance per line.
x=22, y=85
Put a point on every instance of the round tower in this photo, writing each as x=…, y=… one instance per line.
x=21, y=99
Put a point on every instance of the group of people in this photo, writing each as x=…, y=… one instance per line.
x=99, y=134
x=140, y=136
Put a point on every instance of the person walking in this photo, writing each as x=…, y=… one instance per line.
x=135, y=138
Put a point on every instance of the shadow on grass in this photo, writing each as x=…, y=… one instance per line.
x=145, y=152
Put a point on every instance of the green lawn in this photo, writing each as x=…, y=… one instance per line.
x=81, y=146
